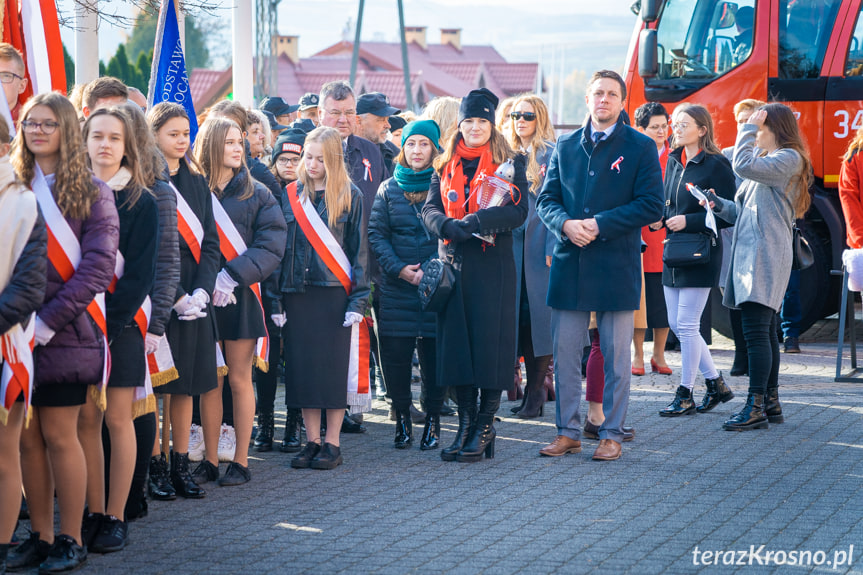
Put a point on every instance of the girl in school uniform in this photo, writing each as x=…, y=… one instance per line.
x=113, y=152
x=70, y=351
x=252, y=243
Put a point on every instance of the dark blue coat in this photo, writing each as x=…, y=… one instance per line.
x=358, y=153
x=618, y=182
x=398, y=237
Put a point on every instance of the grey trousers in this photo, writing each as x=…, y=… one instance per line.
x=569, y=331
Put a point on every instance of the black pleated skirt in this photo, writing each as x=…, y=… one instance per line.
x=193, y=347
x=316, y=348
x=128, y=361
x=241, y=320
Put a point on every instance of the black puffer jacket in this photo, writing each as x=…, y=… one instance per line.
x=398, y=237
x=167, y=258
x=705, y=171
x=261, y=226
x=302, y=266
x=26, y=288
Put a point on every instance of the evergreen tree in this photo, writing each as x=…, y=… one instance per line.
x=69, y=67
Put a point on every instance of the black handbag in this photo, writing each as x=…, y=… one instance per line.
x=686, y=249
x=803, y=256
x=438, y=282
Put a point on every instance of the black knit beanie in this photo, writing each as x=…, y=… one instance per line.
x=478, y=104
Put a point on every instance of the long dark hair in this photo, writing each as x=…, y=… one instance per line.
x=781, y=121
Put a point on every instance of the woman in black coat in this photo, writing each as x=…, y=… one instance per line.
x=696, y=160
x=401, y=243
x=255, y=216
x=476, y=330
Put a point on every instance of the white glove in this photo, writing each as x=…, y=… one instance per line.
x=44, y=334
x=201, y=297
x=224, y=292
x=193, y=314
x=151, y=343
x=184, y=305
x=351, y=318
x=280, y=319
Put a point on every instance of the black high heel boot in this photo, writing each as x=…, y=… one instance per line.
x=404, y=430
x=682, y=404
x=772, y=407
x=717, y=392
x=431, y=432
x=482, y=435
x=534, y=394
x=750, y=417
x=181, y=477
x=466, y=398
x=266, y=425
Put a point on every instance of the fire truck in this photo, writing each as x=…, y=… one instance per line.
x=807, y=54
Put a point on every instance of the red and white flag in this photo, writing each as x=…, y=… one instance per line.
x=32, y=27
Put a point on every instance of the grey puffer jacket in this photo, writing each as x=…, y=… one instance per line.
x=167, y=259
x=762, y=213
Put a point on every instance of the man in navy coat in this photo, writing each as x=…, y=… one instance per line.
x=603, y=185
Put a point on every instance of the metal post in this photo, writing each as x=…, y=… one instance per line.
x=86, y=41
x=409, y=99
x=356, y=55
x=243, y=63
x=181, y=24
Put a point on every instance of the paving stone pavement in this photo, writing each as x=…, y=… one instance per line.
x=682, y=485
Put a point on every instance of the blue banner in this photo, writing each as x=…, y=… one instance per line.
x=169, y=81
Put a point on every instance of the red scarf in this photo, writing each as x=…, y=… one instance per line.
x=453, y=178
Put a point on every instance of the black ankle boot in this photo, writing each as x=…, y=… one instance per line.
x=404, y=429
x=481, y=440
x=682, y=404
x=431, y=433
x=160, y=482
x=181, y=477
x=264, y=439
x=740, y=367
x=717, y=392
x=772, y=407
x=292, y=442
x=466, y=421
x=750, y=417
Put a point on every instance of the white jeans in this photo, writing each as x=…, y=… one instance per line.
x=685, y=306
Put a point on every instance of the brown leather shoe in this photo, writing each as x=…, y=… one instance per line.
x=561, y=446
x=608, y=450
x=591, y=431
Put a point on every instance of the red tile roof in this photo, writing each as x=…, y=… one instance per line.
x=514, y=78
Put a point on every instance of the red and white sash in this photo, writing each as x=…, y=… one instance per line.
x=16, y=377
x=331, y=253
x=232, y=245
x=64, y=253
x=189, y=225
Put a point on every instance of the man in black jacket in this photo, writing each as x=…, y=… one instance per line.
x=374, y=111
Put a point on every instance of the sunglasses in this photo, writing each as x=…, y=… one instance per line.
x=528, y=116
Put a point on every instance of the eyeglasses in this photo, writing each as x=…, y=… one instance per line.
x=345, y=113
x=284, y=161
x=679, y=126
x=46, y=127
x=528, y=116
x=658, y=128
x=7, y=77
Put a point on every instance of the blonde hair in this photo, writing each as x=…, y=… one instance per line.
x=444, y=111
x=750, y=104
x=130, y=161
x=539, y=142
x=500, y=150
x=502, y=113
x=855, y=146
x=210, y=155
x=73, y=184
x=337, y=181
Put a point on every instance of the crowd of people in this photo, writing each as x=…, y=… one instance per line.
x=166, y=287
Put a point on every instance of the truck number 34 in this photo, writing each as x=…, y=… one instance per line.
x=844, y=128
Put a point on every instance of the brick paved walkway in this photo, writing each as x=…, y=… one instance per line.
x=682, y=484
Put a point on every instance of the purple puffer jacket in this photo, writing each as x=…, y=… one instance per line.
x=74, y=354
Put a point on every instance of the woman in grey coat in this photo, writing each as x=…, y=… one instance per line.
x=775, y=167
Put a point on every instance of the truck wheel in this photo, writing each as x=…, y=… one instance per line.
x=815, y=290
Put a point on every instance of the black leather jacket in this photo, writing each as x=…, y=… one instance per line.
x=302, y=266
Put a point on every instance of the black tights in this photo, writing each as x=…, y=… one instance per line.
x=762, y=344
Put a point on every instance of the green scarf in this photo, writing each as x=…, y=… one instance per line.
x=411, y=181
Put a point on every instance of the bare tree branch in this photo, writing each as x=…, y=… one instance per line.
x=113, y=12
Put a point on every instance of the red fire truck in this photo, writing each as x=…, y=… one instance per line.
x=807, y=54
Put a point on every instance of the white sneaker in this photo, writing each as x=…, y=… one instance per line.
x=227, y=443
x=196, y=443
